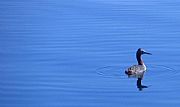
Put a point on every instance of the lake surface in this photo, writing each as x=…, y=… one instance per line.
x=73, y=53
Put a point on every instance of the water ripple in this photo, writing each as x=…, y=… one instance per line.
x=117, y=71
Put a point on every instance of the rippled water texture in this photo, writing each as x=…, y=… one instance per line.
x=73, y=53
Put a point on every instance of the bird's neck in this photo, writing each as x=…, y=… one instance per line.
x=139, y=59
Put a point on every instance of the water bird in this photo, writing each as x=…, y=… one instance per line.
x=139, y=69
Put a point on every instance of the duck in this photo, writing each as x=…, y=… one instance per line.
x=138, y=70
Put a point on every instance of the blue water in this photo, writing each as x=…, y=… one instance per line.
x=72, y=53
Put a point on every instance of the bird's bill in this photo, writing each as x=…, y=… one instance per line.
x=147, y=53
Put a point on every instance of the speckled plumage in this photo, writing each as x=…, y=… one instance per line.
x=136, y=71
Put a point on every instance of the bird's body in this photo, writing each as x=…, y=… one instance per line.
x=137, y=70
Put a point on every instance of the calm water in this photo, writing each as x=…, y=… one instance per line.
x=72, y=53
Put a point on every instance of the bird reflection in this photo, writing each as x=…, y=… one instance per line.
x=139, y=85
